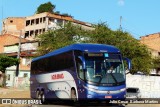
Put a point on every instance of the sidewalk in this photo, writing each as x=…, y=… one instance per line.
x=14, y=93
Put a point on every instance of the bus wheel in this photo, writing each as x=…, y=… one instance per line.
x=73, y=95
x=38, y=95
x=43, y=98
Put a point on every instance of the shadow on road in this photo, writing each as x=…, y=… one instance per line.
x=83, y=103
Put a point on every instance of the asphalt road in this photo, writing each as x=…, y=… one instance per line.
x=82, y=104
x=92, y=105
x=130, y=105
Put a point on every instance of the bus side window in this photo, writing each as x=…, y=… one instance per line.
x=80, y=68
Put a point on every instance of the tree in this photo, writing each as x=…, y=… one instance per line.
x=58, y=38
x=133, y=49
x=156, y=63
x=5, y=62
x=129, y=46
x=46, y=7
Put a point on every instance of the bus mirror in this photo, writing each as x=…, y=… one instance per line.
x=128, y=63
x=83, y=62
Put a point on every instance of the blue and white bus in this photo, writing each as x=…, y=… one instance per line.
x=79, y=71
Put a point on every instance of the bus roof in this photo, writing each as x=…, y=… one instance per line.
x=81, y=47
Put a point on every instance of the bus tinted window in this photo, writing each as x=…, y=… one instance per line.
x=53, y=63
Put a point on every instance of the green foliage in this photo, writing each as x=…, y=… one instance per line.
x=156, y=63
x=6, y=61
x=46, y=7
x=58, y=38
x=129, y=46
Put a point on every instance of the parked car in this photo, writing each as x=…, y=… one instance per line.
x=133, y=92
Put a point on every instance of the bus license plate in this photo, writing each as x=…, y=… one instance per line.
x=108, y=96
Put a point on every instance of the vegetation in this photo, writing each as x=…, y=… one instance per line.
x=55, y=39
x=156, y=63
x=6, y=61
x=46, y=7
x=49, y=7
x=129, y=46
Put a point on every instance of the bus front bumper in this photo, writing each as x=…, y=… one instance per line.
x=109, y=93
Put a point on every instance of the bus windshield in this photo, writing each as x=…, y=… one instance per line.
x=105, y=70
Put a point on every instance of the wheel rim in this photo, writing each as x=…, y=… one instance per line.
x=37, y=94
x=73, y=95
x=43, y=98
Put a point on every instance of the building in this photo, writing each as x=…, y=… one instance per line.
x=28, y=50
x=8, y=39
x=152, y=41
x=16, y=28
x=13, y=25
x=9, y=45
x=38, y=24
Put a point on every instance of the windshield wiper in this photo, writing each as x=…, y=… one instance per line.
x=114, y=78
x=106, y=77
x=100, y=80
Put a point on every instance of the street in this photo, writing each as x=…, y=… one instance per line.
x=130, y=105
x=68, y=104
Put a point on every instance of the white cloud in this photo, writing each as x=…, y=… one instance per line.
x=121, y=2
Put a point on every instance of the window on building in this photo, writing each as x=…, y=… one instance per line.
x=25, y=75
x=31, y=33
x=40, y=20
x=11, y=21
x=26, y=34
x=40, y=31
x=44, y=30
x=27, y=22
x=59, y=22
x=37, y=21
x=44, y=19
x=8, y=77
x=26, y=61
x=32, y=22
x=36, y=32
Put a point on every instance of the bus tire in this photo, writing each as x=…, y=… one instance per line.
x=73, y=95
x=43, y=98
x=38, y=95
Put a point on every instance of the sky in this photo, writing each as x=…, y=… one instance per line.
x=139, y=17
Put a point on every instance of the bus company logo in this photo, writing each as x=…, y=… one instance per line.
x=57, y=76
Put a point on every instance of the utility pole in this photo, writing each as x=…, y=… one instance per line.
x=18, y=57
x=2, y=19
x=120, y=26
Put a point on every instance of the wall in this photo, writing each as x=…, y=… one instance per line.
x=10, y=49
x=149, y=85
x=22, y=81
x=152, y=41
x=13, y=25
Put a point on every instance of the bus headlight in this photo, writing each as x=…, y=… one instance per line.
x=89, y=96
x=123, y=89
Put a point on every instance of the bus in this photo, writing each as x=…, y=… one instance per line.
x=79, y=71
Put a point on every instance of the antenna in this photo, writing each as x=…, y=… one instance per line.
x=120, y=26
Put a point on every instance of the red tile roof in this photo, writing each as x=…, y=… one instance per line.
x=8, y=39
x=68, y=18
